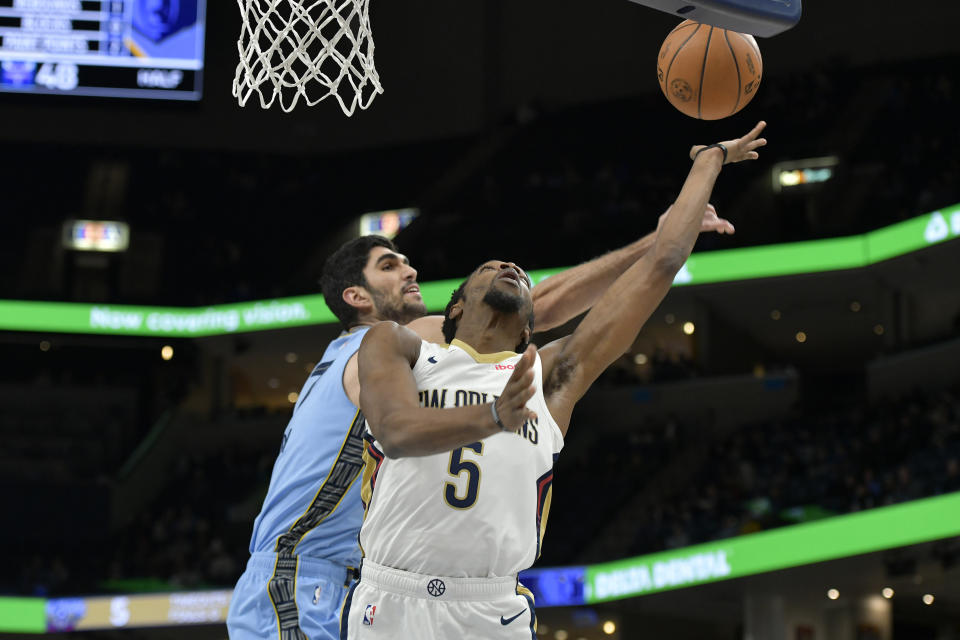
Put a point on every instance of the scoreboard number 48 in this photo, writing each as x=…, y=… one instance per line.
x=61, y=76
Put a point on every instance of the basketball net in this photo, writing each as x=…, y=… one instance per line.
x=309, y=49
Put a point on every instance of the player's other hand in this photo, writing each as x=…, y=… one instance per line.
x=711, y=221
x=512, y=403
x=740, y=149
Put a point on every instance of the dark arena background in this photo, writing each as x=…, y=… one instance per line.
x=776, y=458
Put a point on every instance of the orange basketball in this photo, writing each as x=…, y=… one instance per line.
x=708, y=72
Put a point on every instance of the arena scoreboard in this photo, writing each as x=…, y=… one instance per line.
x=112, y=48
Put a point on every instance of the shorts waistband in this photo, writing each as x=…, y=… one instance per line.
x=436, y=587
x=306, y=567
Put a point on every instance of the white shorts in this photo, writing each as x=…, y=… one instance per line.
x=398, y=605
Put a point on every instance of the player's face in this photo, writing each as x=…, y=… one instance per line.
x=503, y=285
x=392, y=283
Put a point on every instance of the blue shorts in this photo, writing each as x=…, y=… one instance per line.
x=288, y=597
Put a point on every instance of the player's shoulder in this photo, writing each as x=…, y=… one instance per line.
x=389, y=336
x=430, y=328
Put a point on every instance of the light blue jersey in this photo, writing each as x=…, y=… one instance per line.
x=304, y=545
x=313, y=504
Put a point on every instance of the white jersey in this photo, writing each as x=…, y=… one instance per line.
x=479, y=511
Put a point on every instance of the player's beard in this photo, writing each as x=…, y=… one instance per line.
x=501, y=301
x=395, y=308
x=504, y=302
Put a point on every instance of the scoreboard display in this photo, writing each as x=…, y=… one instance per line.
x=113, y=48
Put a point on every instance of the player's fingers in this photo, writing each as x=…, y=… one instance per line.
x=529, y=355
x=759, y=142
x=518, y=388
x=753, y=155
x=756, y=130
x=524, y=364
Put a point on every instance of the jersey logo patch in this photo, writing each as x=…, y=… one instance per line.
x=368, y=614
x=436, y=587
x=506, y=621
x=432, y=359
x=321, y=368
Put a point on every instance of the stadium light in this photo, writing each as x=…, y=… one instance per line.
x=96, y=235
x=833, y=594
x=795, y=173
x=887, y=592
x=387, y=223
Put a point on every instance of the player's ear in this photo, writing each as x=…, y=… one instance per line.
x=525, y=335
x=358, y=297
x=456, y=310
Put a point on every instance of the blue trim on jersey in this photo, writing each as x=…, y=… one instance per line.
x=345, y=611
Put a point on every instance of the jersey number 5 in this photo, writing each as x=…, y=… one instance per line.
x=459, y=466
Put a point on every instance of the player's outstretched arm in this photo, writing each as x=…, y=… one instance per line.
x=566, y=295
x=613, y=323
x=390, y=401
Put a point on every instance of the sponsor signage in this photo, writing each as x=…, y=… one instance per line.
x=767, y=261
x=127, y=611
x=839, y=537
x=829, y=539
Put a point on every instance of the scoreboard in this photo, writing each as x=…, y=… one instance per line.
x=114, y=48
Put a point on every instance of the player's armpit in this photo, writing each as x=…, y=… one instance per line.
x=604, y=335
x=550, y=351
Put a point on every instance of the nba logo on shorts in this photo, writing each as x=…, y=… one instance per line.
x=368, y=614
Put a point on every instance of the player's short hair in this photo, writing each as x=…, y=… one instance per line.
x=344, y=269
x=449, y=327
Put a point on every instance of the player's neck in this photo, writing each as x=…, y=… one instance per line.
x=491, y=334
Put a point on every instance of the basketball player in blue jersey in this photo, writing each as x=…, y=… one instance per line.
x=304, y=550
x=463, y=437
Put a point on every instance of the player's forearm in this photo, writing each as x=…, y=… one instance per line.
x=612, y=325
x=680, y=229
x=569, y=293
x=412, y=432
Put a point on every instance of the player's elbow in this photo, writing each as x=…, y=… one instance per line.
x=668, y=261
x=393, y=439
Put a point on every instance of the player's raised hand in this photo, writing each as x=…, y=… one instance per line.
x=740, y=149
x=711, y=221
x=511, y=406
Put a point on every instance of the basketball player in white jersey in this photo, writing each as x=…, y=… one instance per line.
x=304, y=543
x=459, y=459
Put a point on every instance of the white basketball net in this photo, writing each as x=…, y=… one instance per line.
x=309, y=49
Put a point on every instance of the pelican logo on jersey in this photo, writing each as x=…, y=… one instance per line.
x=368, y=614
x=436, y=587
x=316, y=595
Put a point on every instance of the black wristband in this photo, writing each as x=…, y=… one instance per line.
x=715, y=145
x=496, y=416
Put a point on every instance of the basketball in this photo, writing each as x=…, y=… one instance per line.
x=707, y=72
